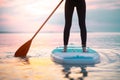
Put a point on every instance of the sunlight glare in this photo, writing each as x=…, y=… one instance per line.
x=40, y=8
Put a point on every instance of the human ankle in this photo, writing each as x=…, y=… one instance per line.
x=65, y=48
x=84, y=49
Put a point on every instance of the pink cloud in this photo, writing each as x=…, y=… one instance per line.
x=100, y=4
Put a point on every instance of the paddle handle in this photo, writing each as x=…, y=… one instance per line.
x=47, y=19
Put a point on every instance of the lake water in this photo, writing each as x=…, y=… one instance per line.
x=39, y=66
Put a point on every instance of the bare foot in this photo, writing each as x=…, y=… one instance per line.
x=84, y=49
x=65, y=48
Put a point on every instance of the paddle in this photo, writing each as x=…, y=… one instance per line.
x=22, y=51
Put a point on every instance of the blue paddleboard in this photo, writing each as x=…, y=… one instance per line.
x=75, y=55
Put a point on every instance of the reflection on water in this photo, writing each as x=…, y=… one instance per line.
x=24, y=60
x=39, y=66
x=67, y=72
x=65, y=69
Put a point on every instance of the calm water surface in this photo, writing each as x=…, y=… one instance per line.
x=38, y=64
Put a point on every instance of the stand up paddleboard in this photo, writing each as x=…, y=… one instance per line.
x=75, y=55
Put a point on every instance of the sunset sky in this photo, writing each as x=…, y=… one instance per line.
x=28, y=16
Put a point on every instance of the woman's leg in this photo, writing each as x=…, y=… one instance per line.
x=81, y=10
x=68, y=21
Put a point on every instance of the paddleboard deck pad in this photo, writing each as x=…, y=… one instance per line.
x=75, y=55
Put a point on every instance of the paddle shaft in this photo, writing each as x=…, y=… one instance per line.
x=47, y=19
x=22, y=51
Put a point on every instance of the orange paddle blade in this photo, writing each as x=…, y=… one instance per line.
x=22, y=51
